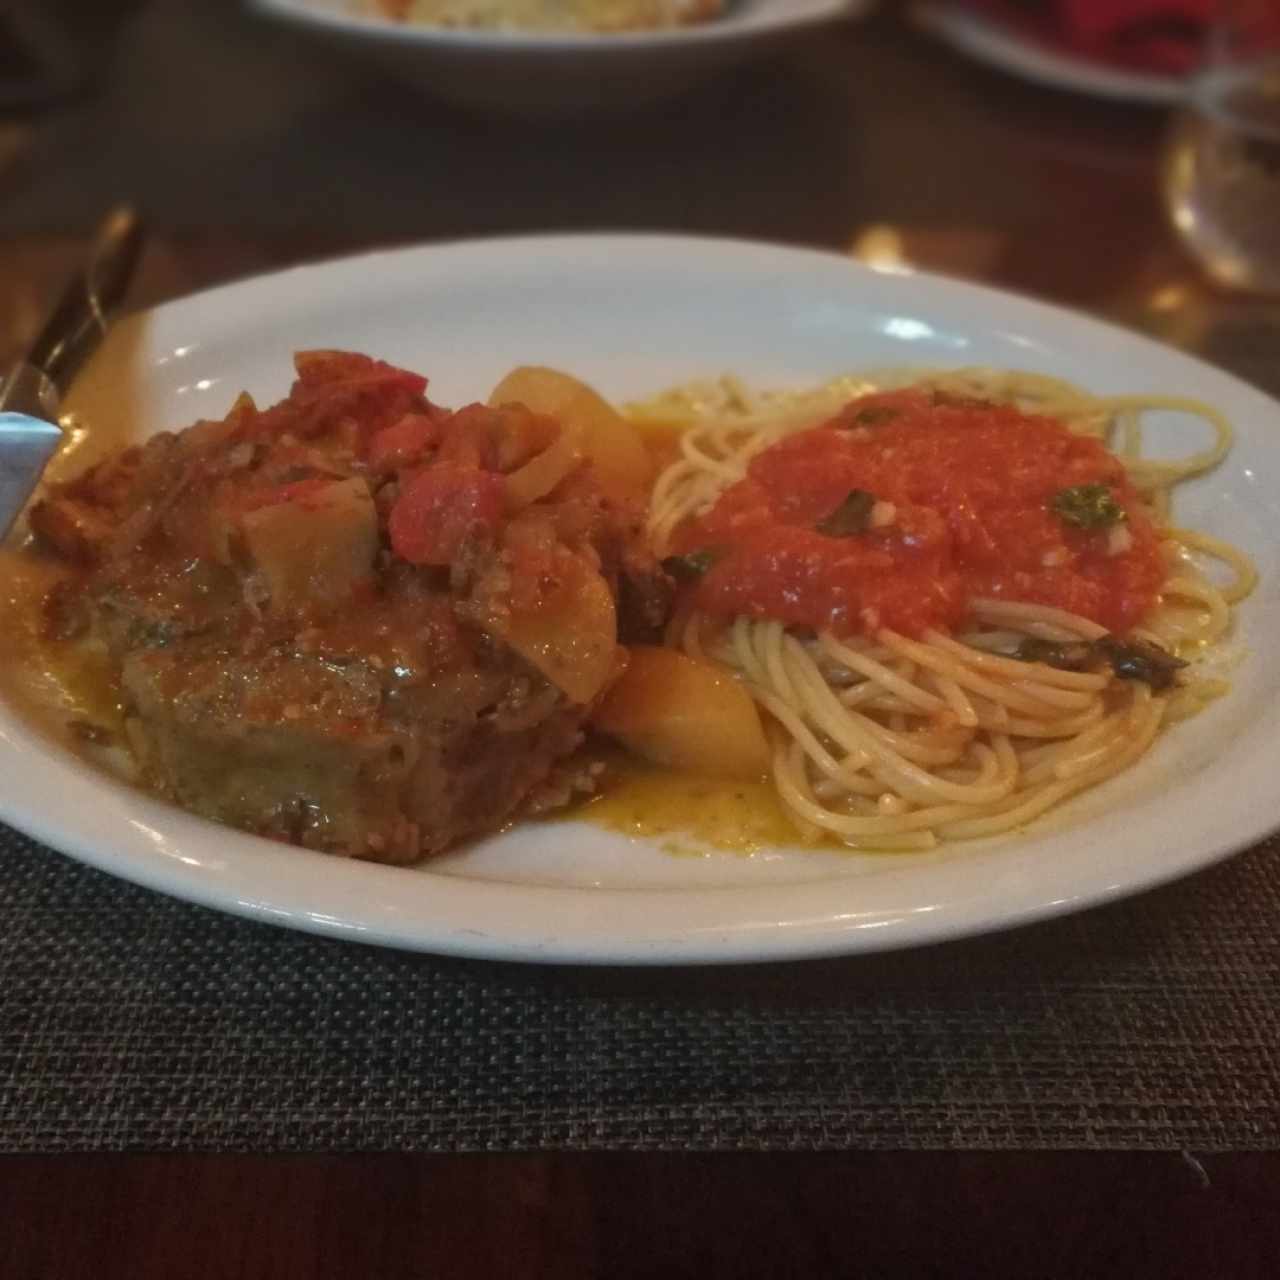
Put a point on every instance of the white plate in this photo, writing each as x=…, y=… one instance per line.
x=633, y=314
x=987, y=40
x=551, y=74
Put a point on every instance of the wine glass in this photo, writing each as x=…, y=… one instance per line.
x=1222, y=163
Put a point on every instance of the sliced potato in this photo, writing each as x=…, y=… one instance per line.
x=676, y=711
x=314, y=552
x=571, y=634
x=598, y=430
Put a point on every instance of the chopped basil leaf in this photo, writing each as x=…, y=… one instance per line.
x=1138, y=660
x=873, y=415
x=950, y=400
x=850, y=517
x=1071, y=655
x=1128, y=659
x=691, y=567
x=1088, y=506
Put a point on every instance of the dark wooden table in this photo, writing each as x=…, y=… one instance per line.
x=816, y=1215
x=249, y=150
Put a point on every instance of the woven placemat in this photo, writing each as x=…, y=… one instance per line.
x=129, y=1021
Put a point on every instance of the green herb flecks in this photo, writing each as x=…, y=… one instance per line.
x=1088, y=506
x=850, y=517
x=951, y=400
x=875, y=414
x=1128, y=659
x=692, y=566
x=1071, y=655
x=1140, y=660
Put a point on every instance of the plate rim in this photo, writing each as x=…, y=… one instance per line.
x=711, y=942
x=768, y=17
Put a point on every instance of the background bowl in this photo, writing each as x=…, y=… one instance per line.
x=560, y=75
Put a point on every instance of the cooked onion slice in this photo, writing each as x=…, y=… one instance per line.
x=541, y=474
x=617, y=453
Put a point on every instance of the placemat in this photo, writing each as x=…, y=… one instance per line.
x=129, y=1021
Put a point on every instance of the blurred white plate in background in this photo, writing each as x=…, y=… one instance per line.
x=551, y=74
x=989, y=41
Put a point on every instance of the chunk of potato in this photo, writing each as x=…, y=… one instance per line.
x=621, y=461
x=571, y=633
x=314, y=549
x=677, y=711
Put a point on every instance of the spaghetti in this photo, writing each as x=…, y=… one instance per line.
x=946, y=710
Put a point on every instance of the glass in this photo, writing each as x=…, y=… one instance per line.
x=1222, y=164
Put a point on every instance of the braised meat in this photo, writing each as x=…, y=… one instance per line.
x=355, y=620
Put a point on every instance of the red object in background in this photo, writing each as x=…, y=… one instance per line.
x=1150, y=35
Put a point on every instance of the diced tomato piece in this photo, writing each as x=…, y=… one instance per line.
x=467, y=437
x=403, y=443
x=318, y=368
x=501, y=439
x=299, y=491
x=440, y=508
x=339, y=392
x=337, y=388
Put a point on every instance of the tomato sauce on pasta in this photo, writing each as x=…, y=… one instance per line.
x=956, y=603
x=907, y=505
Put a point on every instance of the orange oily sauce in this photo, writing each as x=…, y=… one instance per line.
x=54, y=685
x=688, y=813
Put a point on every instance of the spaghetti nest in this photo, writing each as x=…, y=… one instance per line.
x=885, y=740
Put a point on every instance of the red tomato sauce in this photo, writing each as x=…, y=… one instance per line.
x=971, y=487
